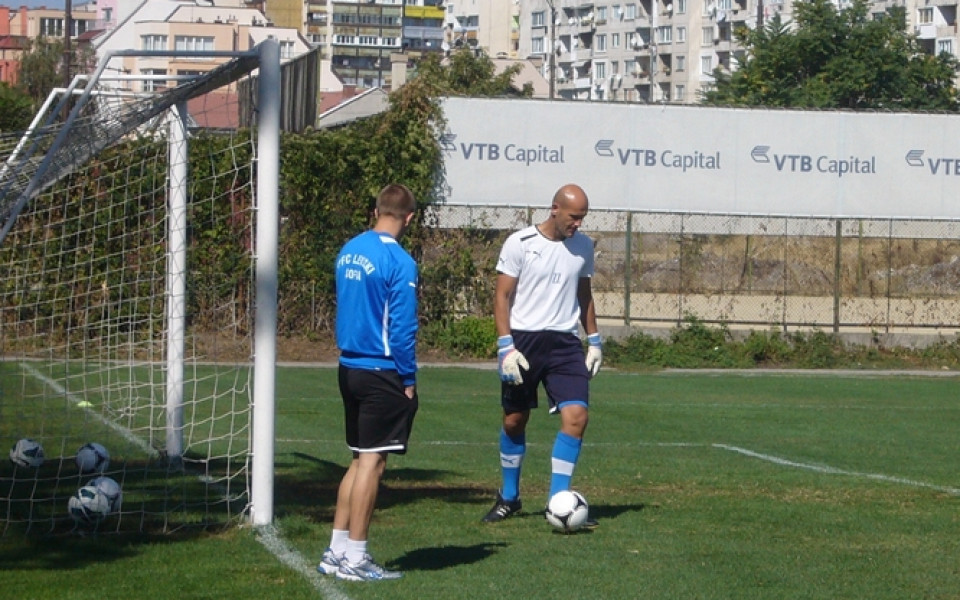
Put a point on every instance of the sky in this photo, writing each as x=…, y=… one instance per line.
x=38, y=3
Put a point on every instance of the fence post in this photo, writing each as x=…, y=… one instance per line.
x=836, y=277
x=627, y=269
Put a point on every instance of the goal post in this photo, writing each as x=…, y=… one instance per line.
x=139, y=307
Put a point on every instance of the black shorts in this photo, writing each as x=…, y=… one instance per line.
x=378, y=415
x=556, y=360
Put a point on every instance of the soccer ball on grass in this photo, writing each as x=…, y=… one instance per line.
x=93, y=458
x=567, y=511
x=88, y=505
x=27, y=453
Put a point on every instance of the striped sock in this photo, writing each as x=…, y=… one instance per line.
x=566, y=451
x=511, y=460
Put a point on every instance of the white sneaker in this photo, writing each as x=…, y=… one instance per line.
x=330, y=563
x=367, y=570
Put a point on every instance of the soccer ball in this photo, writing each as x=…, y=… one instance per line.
x=88, y=505
x=567, y=510
x=92, y=458
x=27, y=453
x=109, y=488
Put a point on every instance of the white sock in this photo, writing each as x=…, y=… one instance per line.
x=356, y=551
x=338, y=541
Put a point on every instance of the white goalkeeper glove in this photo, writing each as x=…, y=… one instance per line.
x=510, y=361
x=594, y=354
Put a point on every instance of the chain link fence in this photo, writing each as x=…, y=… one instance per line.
x=878, y=276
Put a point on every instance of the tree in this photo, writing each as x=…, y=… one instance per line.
x=469, y=73
x=837, y=59
x=42, y=66
x=16, y=109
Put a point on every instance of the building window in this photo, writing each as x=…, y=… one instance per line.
x=707, y=34
x=630, y=67
x=945, y=45
x=153, y=42
x=681, y=35
x=681, y=62
x=665, y=34
x=602, y=14
x=706, y=65
x=537, y=46
x=50, y=27
x=599, y=71
x=153, y=85
x=681, y=7
x=539, y=19
x=601, y=43
x=679, y=91
x=615, y=40
x=287, y=49
x=630, y=11
x=193, y=43
x=925, y=16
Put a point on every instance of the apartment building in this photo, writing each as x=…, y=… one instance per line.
x=490, y=25
x=191, y=26
x=20, y=25
x=667, y=50
x=359, y=36
x=108, y=25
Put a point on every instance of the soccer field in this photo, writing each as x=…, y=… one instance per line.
x=731, y=485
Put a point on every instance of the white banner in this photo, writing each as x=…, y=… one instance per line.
x=704, y=159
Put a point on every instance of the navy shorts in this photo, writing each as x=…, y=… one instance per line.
x=377, y=413
x=557, y=361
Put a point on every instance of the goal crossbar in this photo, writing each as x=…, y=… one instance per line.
x=24, y=175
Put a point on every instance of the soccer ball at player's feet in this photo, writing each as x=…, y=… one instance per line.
x=567, y=511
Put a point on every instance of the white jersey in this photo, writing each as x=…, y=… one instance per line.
x=548, y=274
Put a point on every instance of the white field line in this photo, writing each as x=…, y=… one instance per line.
x=835, y=471
x=122, y=431
x=784, y=462
x=271, y=540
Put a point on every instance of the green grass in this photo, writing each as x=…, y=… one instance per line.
x=706, y=486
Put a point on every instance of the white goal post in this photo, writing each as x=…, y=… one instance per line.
x=117, y=324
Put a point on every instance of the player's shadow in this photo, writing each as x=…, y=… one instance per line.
x=443, y=557
x=611, y=511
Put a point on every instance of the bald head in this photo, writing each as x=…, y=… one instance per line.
x=570, y=195
x=569, y=207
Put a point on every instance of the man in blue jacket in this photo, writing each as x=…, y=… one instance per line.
x=376, y=335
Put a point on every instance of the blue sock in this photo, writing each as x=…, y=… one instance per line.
x=512, y=450
x=566, y=451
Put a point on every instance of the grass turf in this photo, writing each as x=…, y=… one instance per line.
x=706, y=486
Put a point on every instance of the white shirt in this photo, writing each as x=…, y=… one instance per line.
x=548, y=274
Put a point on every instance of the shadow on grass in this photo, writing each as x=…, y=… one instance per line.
x=314, y=493
x=444, y=557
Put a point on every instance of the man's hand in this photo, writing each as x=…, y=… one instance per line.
x=510, y=361
x=594, y=354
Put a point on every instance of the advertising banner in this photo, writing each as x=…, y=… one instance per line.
x=703, y=159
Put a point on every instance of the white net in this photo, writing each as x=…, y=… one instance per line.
x=93, y=260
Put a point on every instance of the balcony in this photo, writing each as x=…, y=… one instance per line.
x=582, y=83
x=926, y=32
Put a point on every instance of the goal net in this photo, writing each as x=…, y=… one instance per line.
x=128, y=236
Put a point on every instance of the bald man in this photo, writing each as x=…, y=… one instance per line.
x=543, y=298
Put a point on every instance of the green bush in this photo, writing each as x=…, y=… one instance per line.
x=474, y=337
x=767, y=348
